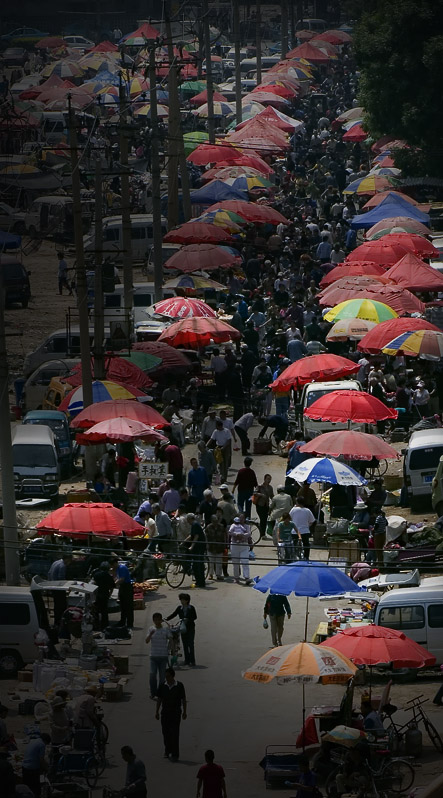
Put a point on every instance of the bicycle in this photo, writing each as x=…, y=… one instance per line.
x=254, y=527
x=418, y=715
x=377, y=471
x=289, y=552
x=394, y=776
x=179, y=567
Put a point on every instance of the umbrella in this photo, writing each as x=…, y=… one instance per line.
x=344, y=735
x=214, y=153
x=351, y=445
x=410, y=272
x=81, y=520
x=119, y=430
x=179, y=307
x=353, y=268
x=196, y=333
x=323, y=469
x=101, y=391
x=202, y=97
x=266, y=98
x=357, y=133
x=349, y=288
x=50, y=43
x=200, y=256
x=194, y=282
x=139, y=37
x=192, y=140
x=216, y=191
x=355, y=329
x=118, y=408
x=228, y=219
x=196, y=233
x=346, y=406
x=248, y=182
x=407, y=224
x=302, y=662
x=220, y=109
x=305, y=34
x=370, y=184
x=361, y=309
x=373, y=645
x=172, y=360
x=425, y=344
x=192, y=86
x=310, y=53
x=393, y=196
x=252, y=212
x=382, y=252
x=247, y=160
x=63, y=69
x=399, y=300
x=145, y=110
x=315, y=367
x=383, y=333
x=334, y=37
x=122, y=370
x=225, y=172
x=413, y=243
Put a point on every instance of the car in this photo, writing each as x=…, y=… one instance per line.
x=79, y=42
x=24, y=35
x=15, y=56
x=316, y=25
x=11, y=220
x=15, y=281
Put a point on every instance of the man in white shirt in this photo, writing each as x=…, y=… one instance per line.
x=208, y=425
x=159, y=637
x=303, y=520
x=222, y=438
x=337, y=255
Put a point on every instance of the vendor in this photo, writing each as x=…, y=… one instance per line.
x=361, y=518
x=371, y=719
x=377, y=497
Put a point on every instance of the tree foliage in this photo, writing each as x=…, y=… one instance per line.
x=399, y=51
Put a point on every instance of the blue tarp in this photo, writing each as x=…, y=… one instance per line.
x=391, y=206
x=9, y=241
x=216, y=191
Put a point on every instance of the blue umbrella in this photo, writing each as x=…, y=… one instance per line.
x=325, y=469
x=216, y=191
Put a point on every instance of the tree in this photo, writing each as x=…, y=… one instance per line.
x=399, y=50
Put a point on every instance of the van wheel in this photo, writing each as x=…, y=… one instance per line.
x=10, y=663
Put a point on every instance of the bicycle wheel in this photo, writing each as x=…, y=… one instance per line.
x=102, y=734
x=397, y=776
x=100, y=760
x=433, y=735
x=331, y=785
x=206, y=567
x=255, y=531
x=91, y=772
x=175, y=574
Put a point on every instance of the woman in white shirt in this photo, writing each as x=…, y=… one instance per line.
x=240, y=543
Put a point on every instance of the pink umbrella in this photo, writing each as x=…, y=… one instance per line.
x=179, y=307
x=119, y=430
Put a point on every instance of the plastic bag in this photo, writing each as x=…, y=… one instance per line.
x=265, y=624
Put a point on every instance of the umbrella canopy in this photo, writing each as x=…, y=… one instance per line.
x=101, y=391
x=202, y=98
x=303, y=662
x=197, y=233
x=393, y=195
x=399, y=300
x=216, y=191
x=63, y=69
x=229, y=220
x=145, y=110
x=388, y=209
x=266, y=98
x=354, y=329
x=357, y=133
x=413, y=243
x=386, y=225
x=351, y=114
x=311, y=579
x=50, y=43
x=383, y=252
x=200, y=256
x=344, y=735
x=315, y=367
x=220, y=109
x=410, y=272
x=334, y=37
x=196, y=333
x=225, y=172
x=249, y=182
x=351, y=445
x=383, y=333
x=192, y=140
x=172, y=360
x=328, y=296
x=373, y=645
x=370, y=184
x=323, y=469
x=139, y=37
x=119, y=430
x=179, y=307
x=425, y=344
x=118, y=408
x=349, y=269
x=251, y=211
x=122, y=370
x=310, y=53
x=81, y=520
x=361, y=309
x=343, y=406
x=194, y=282
x=214, y=153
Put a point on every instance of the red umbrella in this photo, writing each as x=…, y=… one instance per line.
x=410, y=272
x=350, y=445
x=399, y=299
x=197, y=233
x=116, y=408
x=201, y=256
x=214, y=153
x=117, y=370
x=353, y=283
x=81, y=520
x=386, y=331
x=381, y=251
x=355, y=133
x=373, y=645
x=250, y=211
x=260, y=129
x=202, y=98
x=334, y=37
x=119, y=430
x=310, y=53
x=413, y=243
x=315, y=367
x=342, y=406
x=179, y=307
x=248, y=160
x=354, y=269
x=305, y=35
x=198, y=332
x=281, y=91
x=104, y=47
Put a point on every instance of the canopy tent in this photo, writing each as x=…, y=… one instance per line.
x=389, y=208
x=412, y=273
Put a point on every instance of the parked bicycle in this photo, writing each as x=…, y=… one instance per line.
x=179, y=567
x=397, y=731
x=390, y=776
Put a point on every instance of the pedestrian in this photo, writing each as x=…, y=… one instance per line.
x=261, y=498
x=35, y=762
x=286, y=532
x=198, y=480
x=187, y=614
x=123, y=581
x=215, y=533
x=197, y=551
x=221, y=441
x=135, y=781
x=240, y=542
x=159, y=637
x=171, y=706
x=57, y=573
x=241, y=427
x=163, y=526
x=63, y=274
x=306, y=780
x=245, y=481
x=276, y=607
x=208, y=506
x=212, y=778
x=280, y=504
x=303, y=520
x=219, y=367
x=206, y=459
x=105, y=585
x=379, y=533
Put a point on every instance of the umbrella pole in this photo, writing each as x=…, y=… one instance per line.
x=303, y=718
x=306, y=618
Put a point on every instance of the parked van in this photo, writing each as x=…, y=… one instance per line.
x=421, y=460
x=310, y=394
x=18, y=629
x=54, y=216
x=437, y=489
x=59, y=345
x=15, y=280
x=143, y=296
x=142, y=235
x=418, y=612
x=54, y=128
x=35, y=462
x=58, y=423
x=36, y=385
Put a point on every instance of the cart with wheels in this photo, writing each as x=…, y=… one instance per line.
x=280, y=764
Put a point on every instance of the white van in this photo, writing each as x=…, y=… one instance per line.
x=421, y=460
x=35, y=462
x=418, y=612
x=142, y=235
x=143, y=296
x=312, y=392
x=59, y=345
x=18, y=629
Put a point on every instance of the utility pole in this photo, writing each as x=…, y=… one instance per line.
x=99, y=321
x=155, y=179
x=258, y=39
x=173, y=131
x=236, y=24
x=10, y=533
x=82, y=288
x=284, y=28
x=126, y=206
x=209, y=83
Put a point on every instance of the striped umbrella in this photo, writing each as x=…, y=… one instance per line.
x=248, y=183
x=194, y=282
x=326, y=469
x=425, y=344
x=369, y=185
x=345, y=735
x=101, y=391
x=63, y=69
x=386, y=226
x=361, y=309
x=220, y=109
x=354, y=329
x=145, y=110
x=179, y=307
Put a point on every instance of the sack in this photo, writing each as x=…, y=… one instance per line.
x=183, y=627
x=262, y=446
x=338, y=526
x=265, y=624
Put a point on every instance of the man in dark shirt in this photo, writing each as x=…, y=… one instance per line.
x=106, y=585
x=197, y=551
x=278, y=423
x=276, y=606
x=245, y=481
x=135, y=782
x=171, y=700
x=212, y=778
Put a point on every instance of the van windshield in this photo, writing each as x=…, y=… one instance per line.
x=57, y=427
x=425, y=459
x=312, y=396
x=28, y=455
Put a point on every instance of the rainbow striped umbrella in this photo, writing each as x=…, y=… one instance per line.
x=245, y=183
x=370, y=185
x=145, y=110
x=361, y=309
x=220, y=109
x=425, y=344
x=63, y=69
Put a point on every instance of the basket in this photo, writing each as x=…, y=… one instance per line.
x=262, y=446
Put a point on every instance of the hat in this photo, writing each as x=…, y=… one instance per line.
x=58, y=701
x=236, y=520
x=224, y=487
x=360, y=506
x=280, y=487
x=211, y=410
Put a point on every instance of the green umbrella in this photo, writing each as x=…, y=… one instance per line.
x=193, y=139
x=192, y=87
x=144, y=361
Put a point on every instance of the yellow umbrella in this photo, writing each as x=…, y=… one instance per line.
x=302, y=662
x=194, y=282
x=361, y=309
